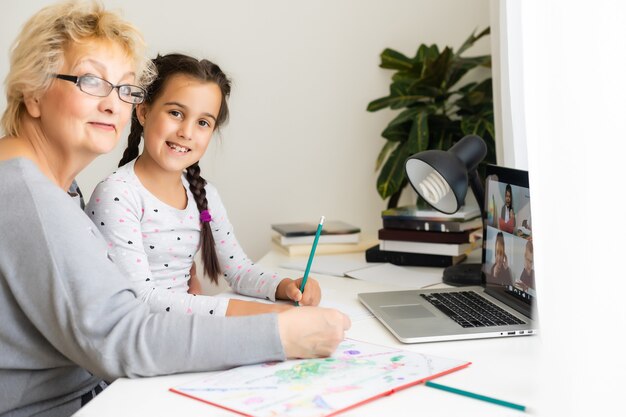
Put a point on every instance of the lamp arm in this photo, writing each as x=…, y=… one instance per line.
x=476, y=185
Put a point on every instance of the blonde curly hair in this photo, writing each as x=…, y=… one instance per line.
x=38, y=51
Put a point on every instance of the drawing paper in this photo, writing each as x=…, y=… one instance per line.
x=356, y=373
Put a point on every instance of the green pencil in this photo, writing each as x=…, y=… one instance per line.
x=476, y=396
x=308, y=264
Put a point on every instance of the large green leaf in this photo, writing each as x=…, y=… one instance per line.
x=471, y=40
x=406, y=115
x=400, y=95
x=475, y=61
x=397, y=132
x=418, y=136
x=379, y=103
x=475, y=98
x=423, y=57
x=435, y=73
x=392, y=173
x=388, y=147
x=391, y=59
x=462, y=66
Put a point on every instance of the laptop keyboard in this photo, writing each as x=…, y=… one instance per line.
x=469, y=309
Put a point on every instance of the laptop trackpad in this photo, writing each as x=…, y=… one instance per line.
x=407, y=311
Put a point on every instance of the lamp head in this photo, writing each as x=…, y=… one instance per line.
x=441, y=177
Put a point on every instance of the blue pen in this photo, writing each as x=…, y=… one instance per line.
x=308, y=264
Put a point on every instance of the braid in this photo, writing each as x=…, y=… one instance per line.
x=207, y=242
x=134, y=138
x=168, y=66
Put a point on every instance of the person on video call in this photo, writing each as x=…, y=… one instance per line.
x=500, y=270
x=527, y=277
x=507, y=214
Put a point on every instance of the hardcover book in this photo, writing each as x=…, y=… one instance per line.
x=436, y=226
x=323, y=249
x=374, y=254
x=323, y=239
x=429, y=214
x=425, y=236
x=451, y=249
x=331, y=227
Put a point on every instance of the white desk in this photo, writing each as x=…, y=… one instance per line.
x=503, y=368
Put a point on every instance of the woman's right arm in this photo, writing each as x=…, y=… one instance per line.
x=70, y=298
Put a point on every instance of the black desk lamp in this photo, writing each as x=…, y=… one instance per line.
x=441, y=178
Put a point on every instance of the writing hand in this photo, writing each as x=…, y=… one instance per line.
x=289, y=289
x=311, y=332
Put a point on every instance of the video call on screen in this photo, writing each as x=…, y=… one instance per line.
x=508, y=238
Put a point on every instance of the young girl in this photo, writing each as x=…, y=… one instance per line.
x=500, y=270
x=156, y=210
x=507, y=214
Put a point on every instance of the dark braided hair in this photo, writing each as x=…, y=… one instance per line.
x=202, y=70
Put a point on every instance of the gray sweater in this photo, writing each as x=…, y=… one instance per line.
x=69, y=318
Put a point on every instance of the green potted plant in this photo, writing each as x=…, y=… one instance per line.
x=437, y=109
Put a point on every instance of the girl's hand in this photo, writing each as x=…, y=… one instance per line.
x=194, y=283
x=289, y=289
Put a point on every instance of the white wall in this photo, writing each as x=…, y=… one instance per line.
x=300, y=143
x=574, y=107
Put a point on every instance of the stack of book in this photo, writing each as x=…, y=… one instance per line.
x=337, y=237
x=425, y=237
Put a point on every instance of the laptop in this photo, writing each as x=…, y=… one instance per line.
x=502, y=306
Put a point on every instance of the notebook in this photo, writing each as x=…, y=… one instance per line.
x=502, y=306
x=357, y=373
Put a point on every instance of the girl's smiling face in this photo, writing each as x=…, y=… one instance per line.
x=178, y=125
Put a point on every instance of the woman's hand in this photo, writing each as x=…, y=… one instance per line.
x=311, y=332
x=289, y=289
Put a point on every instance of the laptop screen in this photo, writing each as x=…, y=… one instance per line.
x=507, y=244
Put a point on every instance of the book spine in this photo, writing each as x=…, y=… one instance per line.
x=423, y=236
x=389, y=223
x=374, y=254
x=421, y=225
x=323, y=239
x=448, y=249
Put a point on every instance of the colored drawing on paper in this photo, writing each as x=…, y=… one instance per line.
x=317, y=387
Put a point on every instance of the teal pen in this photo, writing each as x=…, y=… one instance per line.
x=476, y=396
x=311, y=255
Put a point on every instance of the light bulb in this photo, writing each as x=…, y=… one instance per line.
x=433, y=188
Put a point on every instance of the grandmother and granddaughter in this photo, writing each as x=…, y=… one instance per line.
x=89, y=297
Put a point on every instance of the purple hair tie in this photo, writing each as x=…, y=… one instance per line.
x=205, y=216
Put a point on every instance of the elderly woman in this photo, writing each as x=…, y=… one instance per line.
x=69, y=318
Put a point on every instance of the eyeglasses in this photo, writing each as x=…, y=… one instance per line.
x=96, y=86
